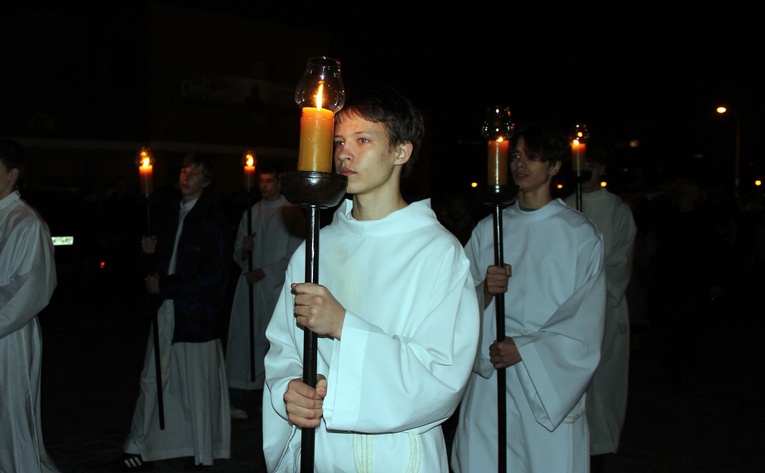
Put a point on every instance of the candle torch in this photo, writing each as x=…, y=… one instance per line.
x=578, y=137
x=498, y=129
x=145, y=161
x=320, y=94
x=249, y=161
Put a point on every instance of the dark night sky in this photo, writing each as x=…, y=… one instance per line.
x=628, y=71
x=651, y=71
x=640, y=70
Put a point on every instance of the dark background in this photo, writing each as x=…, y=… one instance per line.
x=643, y=73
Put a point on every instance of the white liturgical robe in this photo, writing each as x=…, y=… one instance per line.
x=607, y=394
x=277, y=231
x=554, y=312
x=407, y=346
x=27, y=281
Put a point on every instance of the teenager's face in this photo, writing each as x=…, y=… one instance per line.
x=363, y=154
x=192, y=181
x=530, y=174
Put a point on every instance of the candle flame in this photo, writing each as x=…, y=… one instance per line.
x=144, y=158
x=250, y=160
x=319, y=95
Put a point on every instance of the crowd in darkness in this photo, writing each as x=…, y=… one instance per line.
x=699, y=256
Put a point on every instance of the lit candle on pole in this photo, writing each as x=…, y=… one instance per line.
x=498, y=151
x=319, y=94
x=579, y=135
x=497, y=128
x=249, y=161
x=317, y=127
x=578, y=154
x=145, y=162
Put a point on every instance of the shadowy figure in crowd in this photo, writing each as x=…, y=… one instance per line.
x=457, y=217
x=191, y=251
x=396, y=314
x=607, y=393
x=555, y=306
x=27, y=282
x=262, y=252
x=687, y=276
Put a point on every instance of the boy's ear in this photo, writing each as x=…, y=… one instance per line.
x=404, y=152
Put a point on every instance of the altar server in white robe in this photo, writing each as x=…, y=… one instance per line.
x=607, y=394
x=554, y=316
x=278, y=227
x=27, y=282
x=395, y=311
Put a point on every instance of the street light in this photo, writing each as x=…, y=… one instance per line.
x=737, y=157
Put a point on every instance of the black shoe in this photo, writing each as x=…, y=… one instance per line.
x=128, y=462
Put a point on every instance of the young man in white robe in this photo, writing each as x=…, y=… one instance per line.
x=395, y=312
x=607, y=394
x=27, y=282
x=553, y=316
x=262, y=252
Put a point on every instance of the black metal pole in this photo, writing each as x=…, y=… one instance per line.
x=309, y=337
x=579, y=177
x=313, y=191
x=153, y=304
x=499, y=197
x=499, y=301
x=249, y=290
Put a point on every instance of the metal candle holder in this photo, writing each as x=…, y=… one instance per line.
x=320, y=94
x=498, y=128
x=250, y=163
x=145, y=162
x=578, y=137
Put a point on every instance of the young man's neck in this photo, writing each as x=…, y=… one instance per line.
x=534, y=200
x=376, y=207
x=190, y=198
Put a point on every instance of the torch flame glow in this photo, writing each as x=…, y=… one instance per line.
x=319, y=95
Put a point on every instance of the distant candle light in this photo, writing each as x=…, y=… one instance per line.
x=579, y=136
x=578, y=155
x=249, y=162
x=146, y=170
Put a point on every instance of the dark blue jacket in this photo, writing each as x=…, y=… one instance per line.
x=199, y=285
